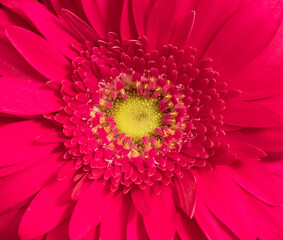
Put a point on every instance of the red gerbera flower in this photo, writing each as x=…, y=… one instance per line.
x=130, y=119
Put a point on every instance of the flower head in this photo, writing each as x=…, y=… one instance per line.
x=141, y=119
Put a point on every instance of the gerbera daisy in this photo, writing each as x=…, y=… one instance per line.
x=141, y=119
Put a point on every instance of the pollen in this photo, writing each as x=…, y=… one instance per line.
x=138, y=117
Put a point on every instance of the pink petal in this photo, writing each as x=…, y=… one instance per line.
x=127, y=25
x=51, y=206
x=135, y=226
x=21, y=136
x=79, y=28
x=252, y=177
x=104, y=16
x=188, y=229
x=245, y=216
x=116, y=218
x=210, y=225
x=160, y=23
x=210, y=16
x=50, y=27
x=9, y=221
x=185, y=193
x=160, y=222
x=39, y=53
x=59, y=233
x=25, y=97
x=250, y=114
x=141, y=10
x=59, y=4
x=141, y=201
x=22, y=185
x=269, y=139
x=244, y=35
x=90, y=210
x=257, y=82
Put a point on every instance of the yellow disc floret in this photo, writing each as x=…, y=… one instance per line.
x=138, y=116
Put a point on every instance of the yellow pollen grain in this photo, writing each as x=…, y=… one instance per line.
x=138, y=116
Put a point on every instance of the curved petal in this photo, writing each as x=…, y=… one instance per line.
x=20, y=136
x=50, y=27
x=116, y=218
x=50, y=207
x=98, y=199
x=127, y=25
x=22, y=185
x=244, y=35
x=59, y=233
x=38, y=52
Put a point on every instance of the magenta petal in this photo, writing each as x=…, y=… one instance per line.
x=50, y=27
x=24, y=97
x=20, y=136
x=135, y=226
x=98, y=199
x=188, y=229
x=78, y=27
x=160, y=222
x=210, y=225
x=51, y=206
x=185, y=193
x=251, y=114
x=39, y=53
x=252, y=177
x=141, y=201
x=20, y=186
x=59, y=233
x=257, y=82
x=9, y=221
x=244, y=35
x=104, y=16
x=116, y=218
x=127, y=25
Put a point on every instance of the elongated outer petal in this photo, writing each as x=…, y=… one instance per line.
x=244, y=35
x=210, y=225
x=185, y=193
x=252, y=177
x=268, y=139
x=78, y=27
x=188, y=229
x=116, y=217
x=257, y=82
x=61, y=232
x=160, y=222
x=250, y=114
x=104, y=16
x=39, y=53
x=127, y=25
x=27, y=97
x=98, y=199
x=50, y=27
x=9, y=221
x=20, y=186
x=51, y=206
x=135, y=226
x=231, y=205
x=18, y=142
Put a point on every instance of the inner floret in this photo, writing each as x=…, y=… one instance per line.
x=138, y=117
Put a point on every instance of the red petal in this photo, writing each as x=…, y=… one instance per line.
x=18, y=142
x=50, y=27
x=51, y=206
x=59, y=233
x=90, y=210
x=244, y=35
x=22, y=185
x=135, y=226
x=116, y=218
x=250, y=114
x=185, y=193
x=160, y=222
x=257, y=82
x=39, y=53
x=127, y=25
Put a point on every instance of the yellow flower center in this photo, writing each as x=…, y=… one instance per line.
x=138, y=117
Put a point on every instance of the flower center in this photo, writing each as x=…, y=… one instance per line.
x=137, y=117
